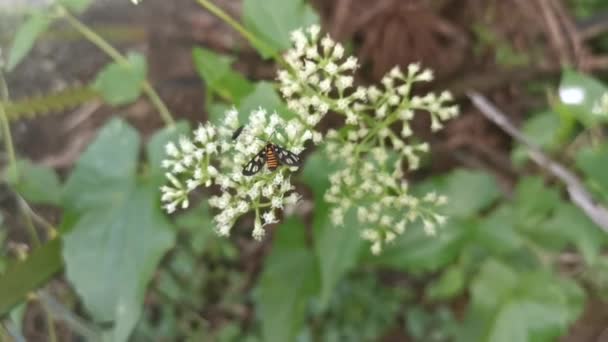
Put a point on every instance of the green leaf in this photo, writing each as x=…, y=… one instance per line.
x=579, y=95
x=468, y=192
x=26, y=36
x=288, y=279
x=417, y=322
x=219, y=77
x=569, y=226
x=36, y=183
x=111, y=254
x=119, y=234
x=337, y=248
x=272, y=21
x=497, y=232
x=217, y=111
x=108, y=166
x=416, y=251
x=450, y=284
x=156, y=148
x=596, y=276
x=17, y=315
x=77, y=6
x=511, y=306
x=592, y=161
x=121, y=84
x=534, y=202
x=198, y=222
x=264, y=95
x=23, y=277
x=542, y=129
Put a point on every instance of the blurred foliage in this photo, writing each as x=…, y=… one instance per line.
x=494, y=272
x=504, y=53
x=272, y=21
x=586, y=8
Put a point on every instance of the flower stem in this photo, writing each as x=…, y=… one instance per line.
x=108, y=49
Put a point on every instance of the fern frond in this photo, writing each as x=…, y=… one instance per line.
x=39, y=105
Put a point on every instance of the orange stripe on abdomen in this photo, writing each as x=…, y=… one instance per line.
x=272, y=160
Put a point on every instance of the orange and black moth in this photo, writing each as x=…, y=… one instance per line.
x=273, y=156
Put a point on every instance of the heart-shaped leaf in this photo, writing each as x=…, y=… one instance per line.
x=121, y=83
x=119, y=232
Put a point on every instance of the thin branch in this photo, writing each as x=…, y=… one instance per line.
x=556, y=35
x=576, y=190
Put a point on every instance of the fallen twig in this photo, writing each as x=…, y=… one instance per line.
x=576, y=190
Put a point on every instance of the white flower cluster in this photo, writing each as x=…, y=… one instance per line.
x=212, y=156
x=320, y=79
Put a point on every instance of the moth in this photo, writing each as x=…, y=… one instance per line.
x=272, y=155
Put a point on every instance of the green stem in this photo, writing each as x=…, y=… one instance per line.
x=29, y=224
x=158, y=103
x=108, y=49
x=253, y=40
x=6, y=129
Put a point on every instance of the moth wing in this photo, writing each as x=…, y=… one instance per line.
x=255, y=165
x=287, y=157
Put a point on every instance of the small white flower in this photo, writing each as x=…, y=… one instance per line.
x=325, y=85
x=171, y=150
x=224, y=230
x=413, y=68
x=292, y=199
x=440, y=219
x=337, y=216
x=269, y=217
x=376, y=248
x=186, y=145
x=350, y=64
x=429, y=227
x=338, y=52
x=258, y=231
x=425, y=76
x=277, y=202
x=331, y=68
x=170, y=208
x=314, y=30
x=327, y=43
x=200, y=134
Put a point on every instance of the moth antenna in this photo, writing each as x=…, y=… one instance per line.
x=238, y=132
